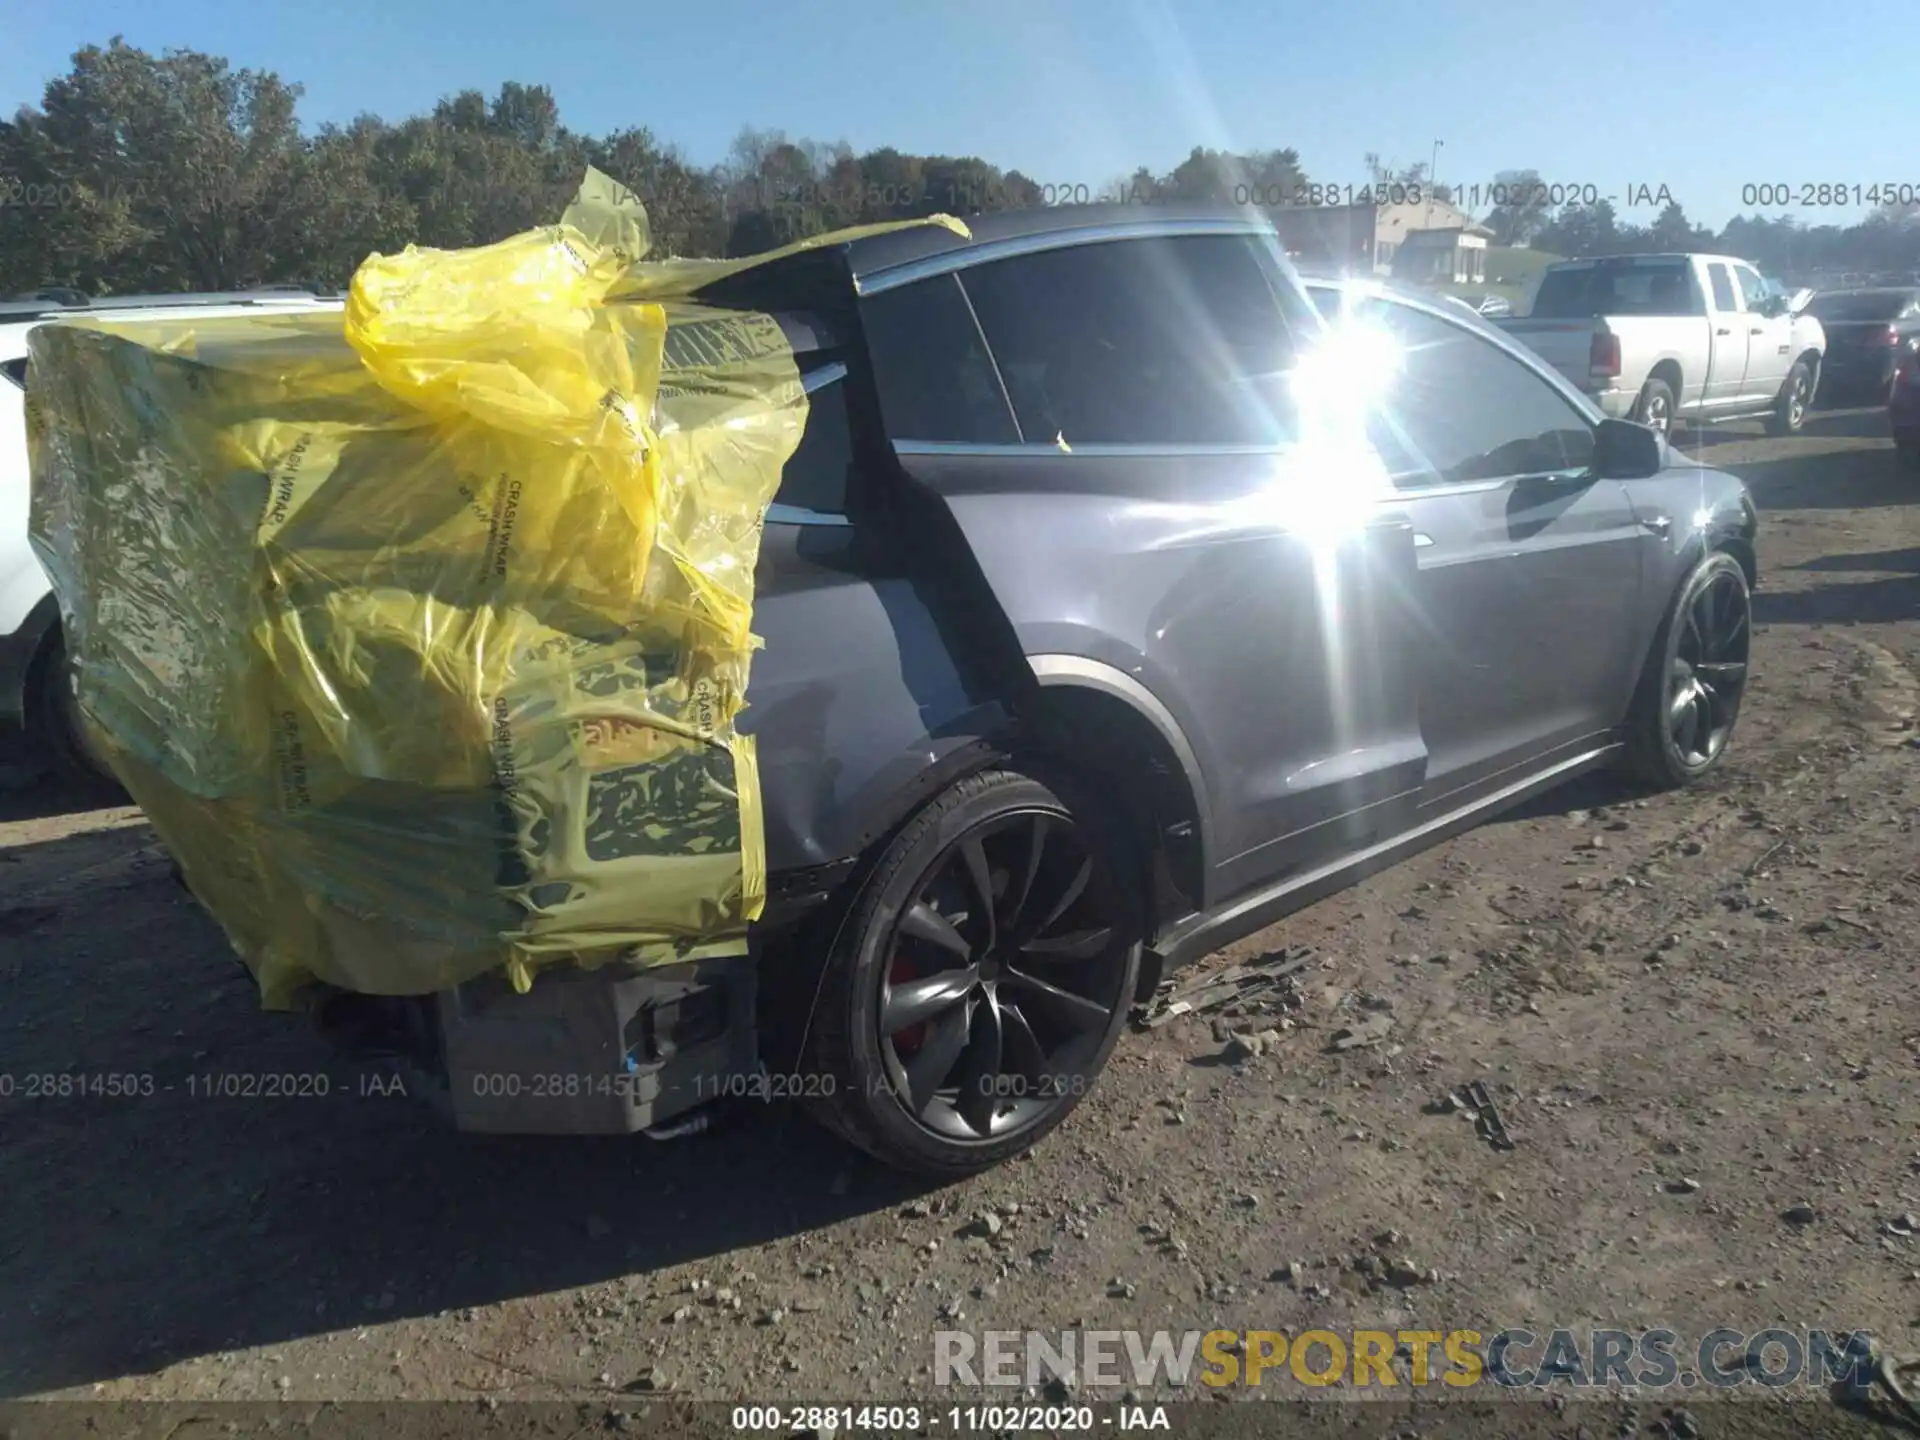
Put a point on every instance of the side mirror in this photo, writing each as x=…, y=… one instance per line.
x=1799, y=301
x=1627, y=450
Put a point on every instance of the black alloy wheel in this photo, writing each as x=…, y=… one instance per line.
x=1708, y=674
x=985, y=971
x=1002, y=982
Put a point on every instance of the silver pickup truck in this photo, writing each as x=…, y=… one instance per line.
x=1665, y=338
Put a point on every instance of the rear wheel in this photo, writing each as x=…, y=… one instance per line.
x=982, y=978
x=1790, y=408
x=1695, y=677
x=1654, y=409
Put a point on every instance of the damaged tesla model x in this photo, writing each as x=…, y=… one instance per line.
x=1129, y=590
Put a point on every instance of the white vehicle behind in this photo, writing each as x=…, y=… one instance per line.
x=35, y=694
x=1668, y=338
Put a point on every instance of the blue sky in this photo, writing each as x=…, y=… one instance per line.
x=1704, y=98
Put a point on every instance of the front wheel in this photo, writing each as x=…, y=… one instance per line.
x=981, y=979
x=1790, y=408
x=1695, y=677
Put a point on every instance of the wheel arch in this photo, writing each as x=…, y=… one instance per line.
x=1105, y=725
x=1085, y=717
x=1667, y=368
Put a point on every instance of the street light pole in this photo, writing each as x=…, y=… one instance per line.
x=1433, y=179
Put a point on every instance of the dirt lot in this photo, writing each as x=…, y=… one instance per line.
x=1716, y=988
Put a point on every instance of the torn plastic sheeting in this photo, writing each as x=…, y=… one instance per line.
x=421, y=638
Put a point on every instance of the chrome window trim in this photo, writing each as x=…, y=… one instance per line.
x=819, y=379
x=965, y=257
x=967, y=449
x=780, y=513
x=1033, y=449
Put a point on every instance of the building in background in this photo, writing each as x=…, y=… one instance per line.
x=1431, y=242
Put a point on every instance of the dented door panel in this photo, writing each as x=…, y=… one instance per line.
x=856, y=698
x=1282, y=652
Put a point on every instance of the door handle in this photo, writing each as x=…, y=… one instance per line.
x=1658, y=524
x=1723, y=332
x=1420, y=542
x=1757, y=330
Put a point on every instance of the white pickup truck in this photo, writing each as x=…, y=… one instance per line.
x=1665, y=338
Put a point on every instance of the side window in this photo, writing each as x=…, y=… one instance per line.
x=16, y=371
x=1722, y=282
x=1463, y=409
x=1329, y=300
x=816, y=475
x=1753, y=289
x=932, y=371
x=1175, y=340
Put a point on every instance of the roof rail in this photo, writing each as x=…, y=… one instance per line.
x=52, y=294
x=59, y=300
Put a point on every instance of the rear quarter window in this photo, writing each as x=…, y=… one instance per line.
x=935, y=379
x=815, y=477
x=1583, y=292
x=15, y=370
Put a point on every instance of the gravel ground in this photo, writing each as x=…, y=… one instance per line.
x=1697, y=1012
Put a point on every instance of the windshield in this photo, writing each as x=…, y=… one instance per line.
x=1861, y=304
x=1580, y=292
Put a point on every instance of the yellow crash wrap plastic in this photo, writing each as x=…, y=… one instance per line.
x=421, y=637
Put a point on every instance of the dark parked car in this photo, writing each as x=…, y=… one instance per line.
x=1865, y=332
x=1117, y=603
x=1903, y=405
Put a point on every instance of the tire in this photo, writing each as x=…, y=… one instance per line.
x=1016, y=1051
x=1684, y=708
x=1790, y=408
x=1654, y=408
x=53, y=720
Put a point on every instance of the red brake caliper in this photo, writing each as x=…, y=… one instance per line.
x=907, y=1041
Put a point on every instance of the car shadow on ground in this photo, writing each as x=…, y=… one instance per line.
x=1865, y=601
x=1595, y=790
x=1897, y=561
x=220, y=1220
x=1860, y=480
x=31, y=790
x=1862, y=423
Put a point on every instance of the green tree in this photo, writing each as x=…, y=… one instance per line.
x=1521, y=211
x=195, y=174
x=1580, y=230
x=1671, y=230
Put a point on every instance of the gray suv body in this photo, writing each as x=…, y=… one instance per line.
x=1091, y=645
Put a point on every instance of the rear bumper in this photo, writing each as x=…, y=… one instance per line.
x=1848, y=372
x=1614, y=402
x=598, y=1052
